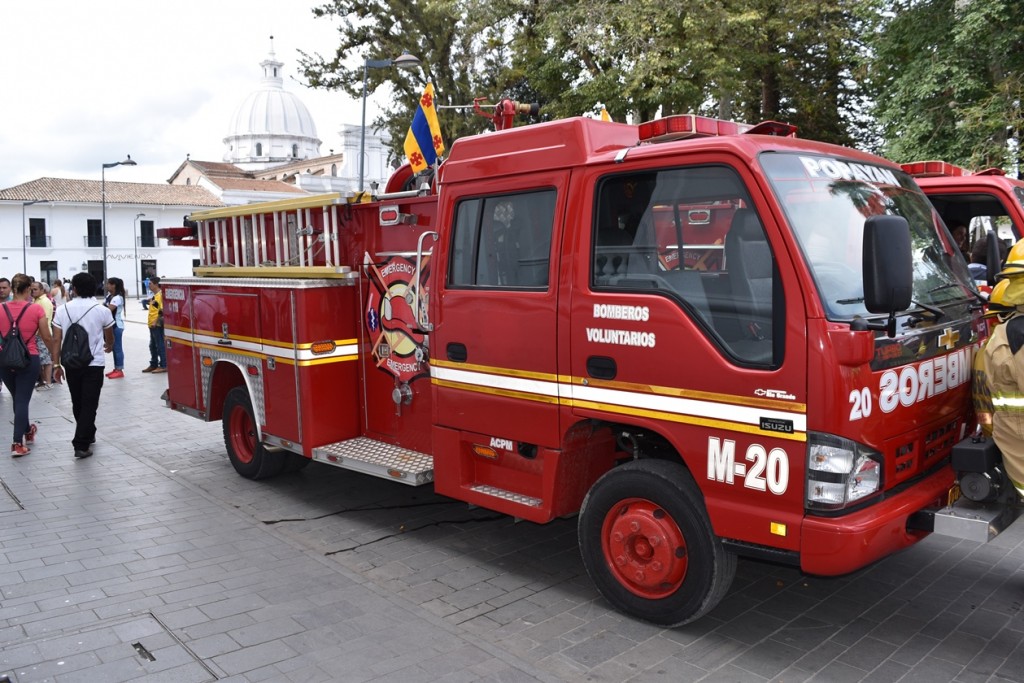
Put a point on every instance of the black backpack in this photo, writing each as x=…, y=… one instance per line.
x=75, y=352
x=13, y=352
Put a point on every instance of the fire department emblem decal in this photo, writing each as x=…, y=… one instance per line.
x=397, y=347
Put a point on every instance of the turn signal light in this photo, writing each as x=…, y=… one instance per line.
x=485, y=451
x=321, y=347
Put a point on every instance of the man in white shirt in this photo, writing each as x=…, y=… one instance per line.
x=86, y=383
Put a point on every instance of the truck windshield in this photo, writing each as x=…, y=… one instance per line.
x=826, y=200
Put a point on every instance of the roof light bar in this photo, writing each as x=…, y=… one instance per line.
x=941, y=169
x=682, y=126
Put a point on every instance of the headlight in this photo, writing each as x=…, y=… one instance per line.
x=840, y=472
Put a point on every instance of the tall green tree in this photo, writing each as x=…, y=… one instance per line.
x=793, y=60
x=948, y=80
x=461, y=45
x=746, y=59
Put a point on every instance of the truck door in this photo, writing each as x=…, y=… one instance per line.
x=686, y=321
x=493, y=348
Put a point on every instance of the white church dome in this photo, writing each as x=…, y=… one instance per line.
x=271, y=126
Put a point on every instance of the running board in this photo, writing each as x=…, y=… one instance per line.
x=379, y=459
x=507, y=495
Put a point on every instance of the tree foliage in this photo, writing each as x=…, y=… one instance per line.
x=947, y=80
x=939, y=78
x=460, y=44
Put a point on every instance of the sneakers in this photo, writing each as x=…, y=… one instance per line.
x=30, y=435
x=151, y=368
x=158, y=370
x=83, y=454
x=116, y=374
x=18, y=450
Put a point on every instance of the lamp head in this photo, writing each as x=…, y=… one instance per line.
x=406, y=61
x=127, y=162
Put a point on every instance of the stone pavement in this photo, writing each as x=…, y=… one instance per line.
x=154, y=561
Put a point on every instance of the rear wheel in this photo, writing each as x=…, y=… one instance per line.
x=648, y=545
x=241, y=439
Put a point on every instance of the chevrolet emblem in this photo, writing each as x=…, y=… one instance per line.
x=949, y=338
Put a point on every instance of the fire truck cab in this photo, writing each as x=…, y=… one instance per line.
x=706, y=339
x=981, y=201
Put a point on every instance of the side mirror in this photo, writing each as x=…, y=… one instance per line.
x=888, y=264
x=992, y=261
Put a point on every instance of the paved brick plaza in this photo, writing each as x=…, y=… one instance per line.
x=153, y=560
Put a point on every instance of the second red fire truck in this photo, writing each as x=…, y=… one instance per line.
x=982, y=200
x=708, y=340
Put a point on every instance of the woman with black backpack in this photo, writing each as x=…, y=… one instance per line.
x=19, y=356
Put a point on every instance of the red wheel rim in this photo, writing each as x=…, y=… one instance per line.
x=644, y=548
x=243, y=434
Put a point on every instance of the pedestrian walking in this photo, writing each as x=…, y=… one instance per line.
x=30, y=319
x=155, y=319
x=58, y=294
x=86, y=383
x=115, y=302
x=41, y=297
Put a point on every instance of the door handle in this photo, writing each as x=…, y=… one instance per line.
x=601, y=367
x=457, y=352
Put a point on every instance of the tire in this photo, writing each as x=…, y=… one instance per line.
x=248, y=456
x=648, y=545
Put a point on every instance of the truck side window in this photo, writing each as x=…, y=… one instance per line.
x=690, y=234
x=503, y=241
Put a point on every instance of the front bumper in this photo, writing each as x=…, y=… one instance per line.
x=838, y=545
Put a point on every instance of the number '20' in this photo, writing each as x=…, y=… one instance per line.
x=860, y=404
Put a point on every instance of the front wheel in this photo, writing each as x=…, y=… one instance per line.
x=241, y=439
x=648, y=545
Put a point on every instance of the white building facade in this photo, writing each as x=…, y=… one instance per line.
x=53, y=227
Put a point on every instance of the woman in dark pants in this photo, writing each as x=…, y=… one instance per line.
x=30, y=319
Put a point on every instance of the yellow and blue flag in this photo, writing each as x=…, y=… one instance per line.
x=423, y=142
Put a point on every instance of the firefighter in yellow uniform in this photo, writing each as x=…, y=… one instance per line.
x=1004, y=370
x=980, y=392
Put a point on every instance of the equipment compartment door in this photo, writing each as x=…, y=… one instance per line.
x=493, y=350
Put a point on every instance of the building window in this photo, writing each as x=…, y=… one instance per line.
x=37, y=232
x=259, y=149
x=47, y=271
x=188, y=181
x=94, y=233
x=295, y=151
x=334, y=170
x=147, y=236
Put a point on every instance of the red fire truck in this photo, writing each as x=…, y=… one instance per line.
x=706, y=339
x=983, y=200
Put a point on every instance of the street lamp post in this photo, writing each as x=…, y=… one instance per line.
x=103, y=201
x=138, y=270
x=24, y=238
x=405, y=61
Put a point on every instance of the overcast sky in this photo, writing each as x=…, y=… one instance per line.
x=86, y=82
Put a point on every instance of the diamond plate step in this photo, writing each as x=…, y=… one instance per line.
x=507, y=495
x=379, y=459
